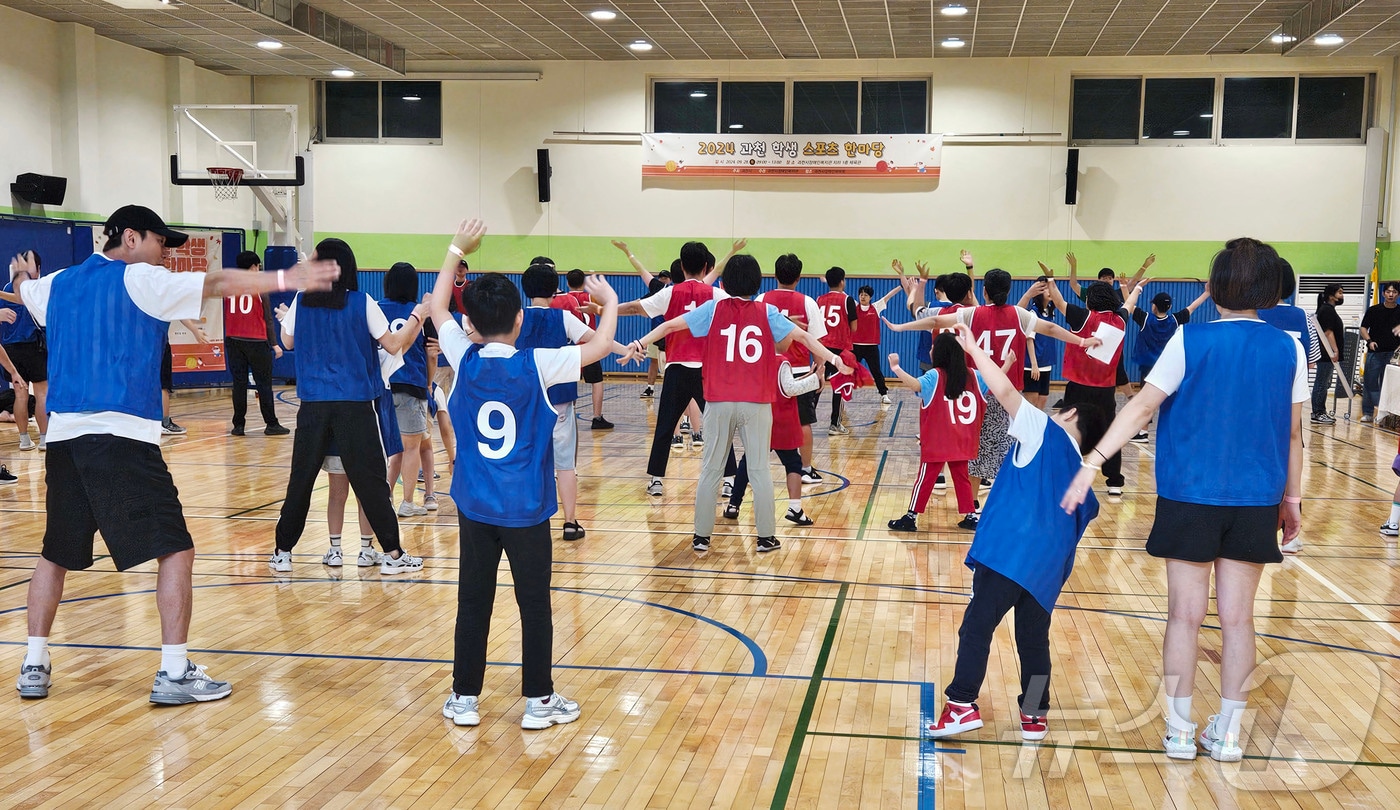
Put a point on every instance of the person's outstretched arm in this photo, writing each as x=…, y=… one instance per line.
x=1053, y=289
x=635, y=262
x=1130, y=303
x=965, y=256
x=1137, y=277
x=739, y=244
x=1073, y=274
x=905, y=378
x=1125, y=426
x=600, y=291
x=465, y=241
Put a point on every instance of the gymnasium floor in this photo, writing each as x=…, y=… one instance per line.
x=800, y=678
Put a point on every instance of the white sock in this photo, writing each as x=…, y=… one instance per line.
x=335, y=541
x=655, y=479
x=366, y=542
x=1231, y=715
x=795, y=505
x=1394, y=513
x=173, y=658
x=729, y=479
x=1179, y=713
x=38, y=652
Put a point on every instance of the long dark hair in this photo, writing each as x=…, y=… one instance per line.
x=334, y=298
x=401, y=283
x=948, y=357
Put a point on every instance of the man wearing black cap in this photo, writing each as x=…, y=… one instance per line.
x=107, y=319
x=1155, y=328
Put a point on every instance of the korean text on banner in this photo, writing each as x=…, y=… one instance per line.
x=669, y=154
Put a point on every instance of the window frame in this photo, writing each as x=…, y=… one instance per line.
x=1217, y=122
x=788, y=95
x=321, y=117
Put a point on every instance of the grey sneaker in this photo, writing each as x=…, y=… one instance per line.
x=368, y=558
x=281, y=562
x=334, y=558
x=34, y=681
x=726, y=490
x=389, y=564
x=191, y=687
x=409, y=509
x=462, y=710
x=545, y=712
x=430, y=503
x=655, y=489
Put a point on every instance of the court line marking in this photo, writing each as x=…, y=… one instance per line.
x=870, y=500
x=804, y=717
x=928, y=751
x=1343, y=595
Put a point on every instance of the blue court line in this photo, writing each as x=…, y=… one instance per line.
x=928, y=756
x=897, y=409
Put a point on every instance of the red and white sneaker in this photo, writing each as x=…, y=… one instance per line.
x=955, y=720
x=1034, y=728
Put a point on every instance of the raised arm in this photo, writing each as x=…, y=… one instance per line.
x=1073, y=273
x=465, y=241
x=635, y=262
x=1137, y=277
x=1053, y=290
x=1032, y=291
x=1200, y=299
x=965, y=256
x=739, y=244
x=594, y=350
x=1130, y=303
x=905, y=378
x=997, y=382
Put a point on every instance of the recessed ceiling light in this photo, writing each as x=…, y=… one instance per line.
x=412, y=98
x=736, y=126
x=640, y=45
x=603, y=15
x=953, y=10
x=270, y=45
x=699, y=94
x=343, y=73
x=1180, y=133
x=1282, y=39
x=952, y=42
x=1207, y=115
x=1328, y=39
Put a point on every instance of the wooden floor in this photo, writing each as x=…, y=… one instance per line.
x=800, y=678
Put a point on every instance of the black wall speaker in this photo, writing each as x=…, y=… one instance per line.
x=542, y=161
x=40, y=188
x=1072, y=178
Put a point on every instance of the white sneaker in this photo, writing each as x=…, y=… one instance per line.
x=1180, y=744
x=389, y=564
x=545, y=712
x=811, y=477
x=430, y=503
x=655, y=488
x=368, y=558
x=462, y=710
x=43, y=443
x=1292, y=546
x=1390, y=530
x=885, y=399
x=1366, y=420
x=1221, y=747
x=334, y=558
x=407, y=509
x=1116, y=492
x=25, y=443
x=281, y=561
x=1141, y=437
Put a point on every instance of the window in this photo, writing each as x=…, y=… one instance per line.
x=1106, y=110
x=893, y=108
x=1332, y=107
x=824, y=108
x=381, y=111
x=685, y=106
x=412, y=110
x=1258, y=108
x=752, y=107
x=1178, y=109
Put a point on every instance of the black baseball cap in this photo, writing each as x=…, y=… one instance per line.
x=1162, y=301
x=141, y=218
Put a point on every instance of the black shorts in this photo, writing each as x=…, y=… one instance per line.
x=31, y=360
x=118, y=486
x=593, y=372
x=1040, y=386
x=1201, y=533
x=1122, y=372
x=167, y=364
x=807, y=407
x=791, y=459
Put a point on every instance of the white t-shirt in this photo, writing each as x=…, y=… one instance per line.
x=816, y=324
x=575, y=329
x=156, y=291
x=1028, y=428
x=1170, y=369
x=555, y=366
x=378, y=322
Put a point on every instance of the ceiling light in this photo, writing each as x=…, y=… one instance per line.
x=603, y=15
x=640, y=45
x=412, y=98
x=1282, y=39
x=1207, y=115
x=736, y=126
x=953, y=10
x=699, y=94
x=343, y=73
x=1181, y=133
x=952, y=42
x=1327, y=39
x=270, y=45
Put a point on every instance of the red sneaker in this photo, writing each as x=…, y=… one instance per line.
x=1033, y=728
x=955, y=720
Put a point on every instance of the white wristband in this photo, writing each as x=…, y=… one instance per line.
x=453, y=249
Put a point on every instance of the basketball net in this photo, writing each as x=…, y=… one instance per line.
x=225, y=181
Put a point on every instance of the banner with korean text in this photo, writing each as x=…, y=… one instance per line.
x=669, y=154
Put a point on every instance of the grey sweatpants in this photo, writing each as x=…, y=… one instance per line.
x=754, y=422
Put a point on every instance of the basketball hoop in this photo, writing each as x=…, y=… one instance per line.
x=225, y=181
